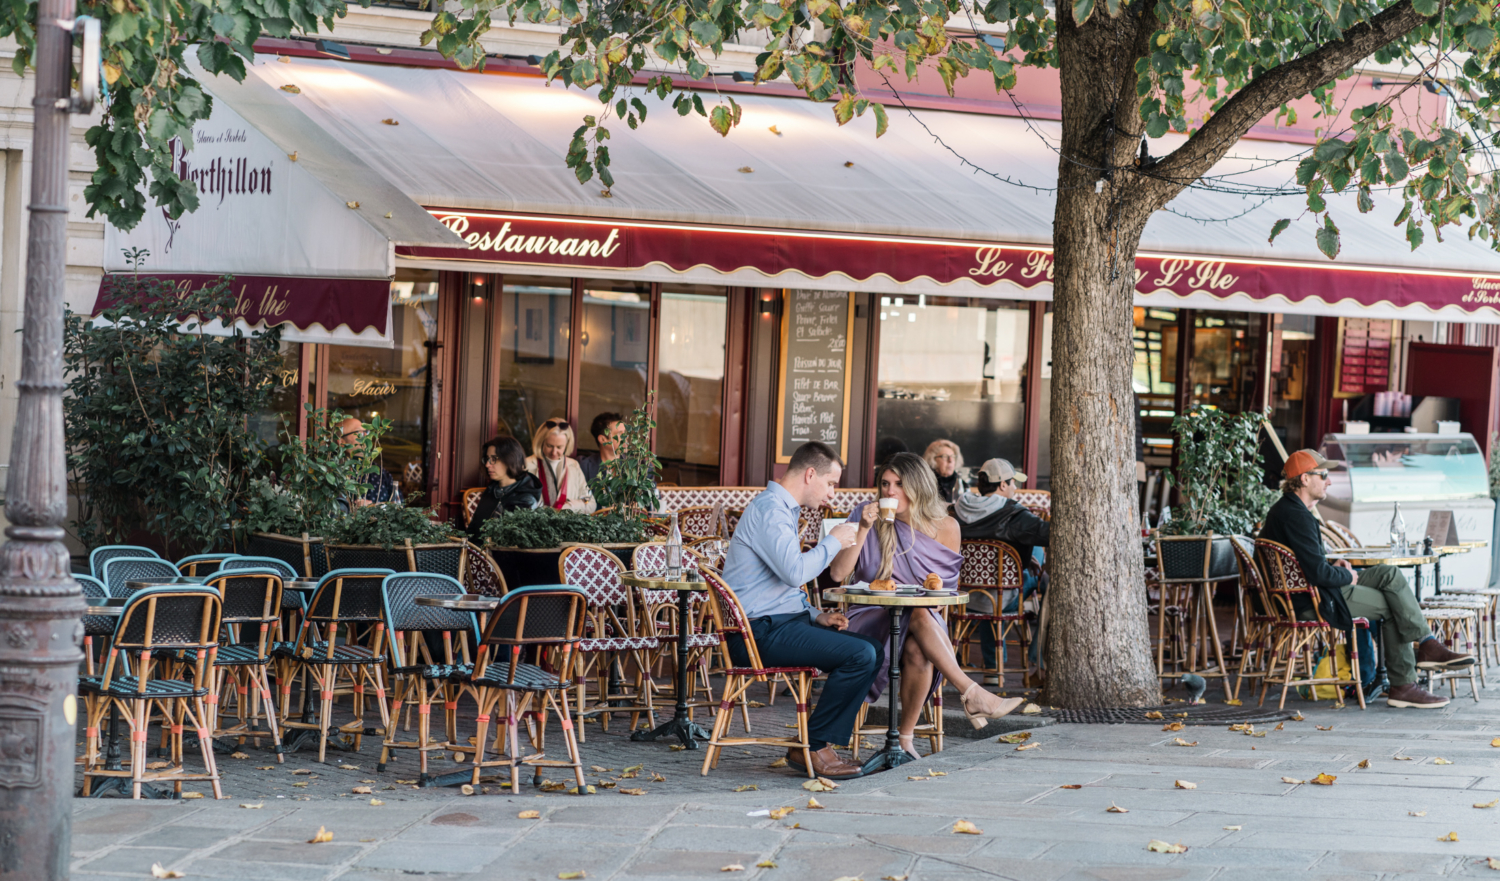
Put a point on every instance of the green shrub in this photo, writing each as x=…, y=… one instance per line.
x=388, y=525
x=1219, y=473
x=548, y=528
x=313, y=476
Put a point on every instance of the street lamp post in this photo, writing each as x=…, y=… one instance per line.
x=40, y=602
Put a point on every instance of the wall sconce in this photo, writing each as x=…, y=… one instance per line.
x=768, y=304
x=584, y=338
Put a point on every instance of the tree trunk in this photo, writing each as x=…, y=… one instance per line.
x=1099, y=648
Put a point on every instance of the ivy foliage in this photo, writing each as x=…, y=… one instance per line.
x=539, y=528
x=313, y=477
x=1219, y=473
x=155, y=416
x=389, y=525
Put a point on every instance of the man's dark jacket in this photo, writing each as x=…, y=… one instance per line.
x=1012, y=523
x=1289, y=522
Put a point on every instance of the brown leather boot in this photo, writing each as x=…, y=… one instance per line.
x=1433, y=655
x=825, y=763
x=1413, y=696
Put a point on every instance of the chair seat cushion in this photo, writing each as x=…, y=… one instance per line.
x=438, y=672
x=238, y=656
x=129, y=686
x=766, y=671
x=695, y=640
x=529, y=677
x=317, y=653
x=618, y=643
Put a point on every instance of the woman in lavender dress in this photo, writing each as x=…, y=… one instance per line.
x=922, y=539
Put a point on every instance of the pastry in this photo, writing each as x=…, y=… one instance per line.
x=932, y=582
x=882, y=584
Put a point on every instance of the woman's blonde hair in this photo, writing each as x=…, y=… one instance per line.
x=559, y=425
x=925, y=507
x=942, y=444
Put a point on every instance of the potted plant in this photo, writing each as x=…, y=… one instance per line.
x=391, y=536
x=1218, y=480
x=526, y=544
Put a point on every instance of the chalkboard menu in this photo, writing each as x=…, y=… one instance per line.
x=814, y=399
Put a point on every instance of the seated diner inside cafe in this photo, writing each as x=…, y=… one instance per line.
x=564, y=486
x=511, y=486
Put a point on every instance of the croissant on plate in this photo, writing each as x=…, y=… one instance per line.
x=882, y=584
x=932, y=582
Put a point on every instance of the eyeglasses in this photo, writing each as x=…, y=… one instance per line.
x=359, y=432
x=555, y=423
x=1321, y=475
x=493, y=460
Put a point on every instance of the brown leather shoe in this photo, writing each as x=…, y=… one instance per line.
x=1433, y=655
x=825, y=763
x=1414, y=697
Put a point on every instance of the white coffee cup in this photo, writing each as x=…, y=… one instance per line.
x=888, y=509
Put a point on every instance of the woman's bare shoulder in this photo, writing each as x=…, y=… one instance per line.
x=948, y=532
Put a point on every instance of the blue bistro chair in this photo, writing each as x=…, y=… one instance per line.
x=101, y=555
x=101, y=626
x=243, y=562
x=201, y=565
x=119, y=570
x=241, y=690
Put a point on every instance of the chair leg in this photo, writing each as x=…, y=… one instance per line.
x=560, y=706
x=514, y=744
x=325, y=709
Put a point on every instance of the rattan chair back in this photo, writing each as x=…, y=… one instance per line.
x=101, y=555
x=730, y=620
x=201, y=565
x=1284, y=580
x=119, y=570
x=989, y=564
x=287, y=570
x=699, y=521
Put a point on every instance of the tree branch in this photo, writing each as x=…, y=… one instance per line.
x=1270, y=90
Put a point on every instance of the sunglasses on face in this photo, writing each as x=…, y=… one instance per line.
x=1321, y=475
x=555, y=423
x=358, y=433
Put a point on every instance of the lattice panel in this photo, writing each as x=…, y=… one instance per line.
x=1037, y=501
x=989, y=565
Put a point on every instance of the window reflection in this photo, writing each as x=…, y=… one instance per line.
x=690, y=383
x=535, y=315
x=615, y=349
x=280, y=414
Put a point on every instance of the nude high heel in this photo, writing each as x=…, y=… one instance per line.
x=981, y=706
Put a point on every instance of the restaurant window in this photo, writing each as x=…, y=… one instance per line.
x=1153, y=379
x=954, y=368
x=535, y=316
x=1291, y=341
x=690, y=383
x=280, y=414
x=615, y=351
x=366, y=381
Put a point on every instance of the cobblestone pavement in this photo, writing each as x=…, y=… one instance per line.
x=1043, y=812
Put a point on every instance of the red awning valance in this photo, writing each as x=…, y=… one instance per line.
x=306, y=303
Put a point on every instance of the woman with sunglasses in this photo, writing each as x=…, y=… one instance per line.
x=511, y=487
x=563, y=484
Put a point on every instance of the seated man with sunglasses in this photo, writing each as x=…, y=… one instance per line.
x=1379, y=593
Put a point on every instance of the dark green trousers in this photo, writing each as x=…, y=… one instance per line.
x=1384, y=595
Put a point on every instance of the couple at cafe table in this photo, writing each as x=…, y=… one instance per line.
x=767, y=569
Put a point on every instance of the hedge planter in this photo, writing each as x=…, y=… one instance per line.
x=448, y=558
x=305, y=554
x=1182, y=557
x=523, y=567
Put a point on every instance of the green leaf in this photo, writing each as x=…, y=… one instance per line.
x=881, y=121
x=1315, y=202
x=1479, y=37
x=1278, y=228
x=705, y=32
x=1426, y=7
x=722, y=119
x=1328, y=238
x=1082, y=9
x=1414, y=234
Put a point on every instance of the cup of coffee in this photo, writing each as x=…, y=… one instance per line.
x=888, y=510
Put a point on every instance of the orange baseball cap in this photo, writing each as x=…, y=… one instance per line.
x=1303, y=461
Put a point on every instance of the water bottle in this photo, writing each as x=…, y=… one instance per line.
x=1145, y=524
x=674, y=552
x=1398, y=532
x=1165, y=518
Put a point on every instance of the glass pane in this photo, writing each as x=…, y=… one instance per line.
x=949, y=369
x=281, y=413
x=690, y=383
x=615, y=346
x=1404, y=468
x=366, y=382
x=535, y=315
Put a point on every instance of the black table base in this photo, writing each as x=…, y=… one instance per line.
x=680, y=725
x=891, y=755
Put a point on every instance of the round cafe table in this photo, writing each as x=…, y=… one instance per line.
x=892, y=754
x=680, y=724
x=1363, y=557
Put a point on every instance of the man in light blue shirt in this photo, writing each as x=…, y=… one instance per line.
x=767, y=568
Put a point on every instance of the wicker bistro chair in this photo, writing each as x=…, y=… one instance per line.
x=251, y=601
x=418, y=678
x=347, y=599
x=699, y=521
x=1294, y=638
x=615, y=633
x=158, y=619
x=118, y=570
x=1254, y=613
x=101, y=627
x=993, y=567
x=730, y=621
x=201, y=565
x=731, y=521
x=1185, y=615
x=287, y=570
x=101, y=555
x=544, y=619
x=1455, y=621
x=1489, y=629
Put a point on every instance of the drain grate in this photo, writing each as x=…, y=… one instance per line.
x=1202, y=714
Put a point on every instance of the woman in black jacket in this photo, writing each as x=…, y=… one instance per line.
x=511, y=485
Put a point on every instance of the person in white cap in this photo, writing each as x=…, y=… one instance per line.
x=991, y=511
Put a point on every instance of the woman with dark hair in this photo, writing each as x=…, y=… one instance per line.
x=919, y=541
x=511, y=486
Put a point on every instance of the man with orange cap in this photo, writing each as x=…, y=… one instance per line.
x=1379, y=593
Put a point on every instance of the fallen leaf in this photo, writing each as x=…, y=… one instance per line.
x=571, y=876
x=1180, y=742
x=1279, y=726
x=375, y=802
x=192, y=795
x=754, y=705
x=1416, y=813
x=894, y=877
x=1179, y=715
x=1441, y=761
x=354, y=204
x=964, y=827
x=296, y=771
x=390, y=122
x=657, y=778
x=1298, y=718
x=733, y=867
x=1234, y=703
x=1238, y=726
x=1030, y=710
x=239, y=755
x=1324, y=779
x=790, y=725
x=748, y=787
x=1155, y=714
x=598, y=770
x=1363, y=764
x=291, y=89
x=632, y=771
x=1027, y=746
x=157, y=766
x=1233, y=828
x=1403, y=758
x=1177, y=726
x=778, y=813
x=529, y=815
x=677, y=747
x=361, y=790
x=1495, y=742
x=406, y=782
x=1451, y=836
x=1292, y=780
x=1018, y=737
x=1116, y=809
x=1256, y=734
x=1071, y=786
x=624, y=791
x=916, y=778
x=1324, y=727
x=1494, y=863
x=765, y=864
x=551, y=786
x=932, y=773
x=587, y=790
x=348, y=767
x=264, y=767
x=1158, y=846
x=779, y=763
x=819, y=784
x=1487, y=804
x=745, y=169
x=604, y=784
x=1183, y=784
x=300, y=785
x=293, y=155
x=254, y=807
x=466, y=789
x=321, y=837
x=813, y=804
x=158, y=872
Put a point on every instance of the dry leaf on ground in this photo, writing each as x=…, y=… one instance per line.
x=932, y=773
x=1159, y=846
x=1416, y=813
x=571, y=876
x=375, y=802
x=587, y=790
x=1495, y=742
x=1298, y=718
x=291, y=89
x=819, y=784
x=598, y=770
x=1363, y=764
x=1292, y=780
x=747, y=787
x=157, y=766
x=1116, y=809
x=296, y=771
x=1403, y=758
x=1155, y=714
x=300, y=785
x=1494, y=863
x=733, y=867
x=466, y=789
x=754, y=705
x=1071, y=786
x=892, y=877
x=361, y=790
x=916, y=778
x=657, y=778
x=192, y=795
x=238, y=755
x=624, y=791
x=348, y=767
x=1027, y=746
x=1487, y=804
x=158, y=872
x=405, y=782
x=1180, y=742
x=550, y=786
x=1441, y=761
x=778, y=813
x=779, y=763
x=264, y=767
x=529, y=815
x=813, y=804
x=1234, y=703
x=1030, y=710
x=1233, y=828
x=1177, y=726
x=322, y=836
x=964, y=827
x=255, y=807
x=765, y=864
x=1324, y=779
x=676, y=747
x=1183, y=784
x=1018, y=737
x=1451, y=836
x=1279, y=726
x=1324, y=727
